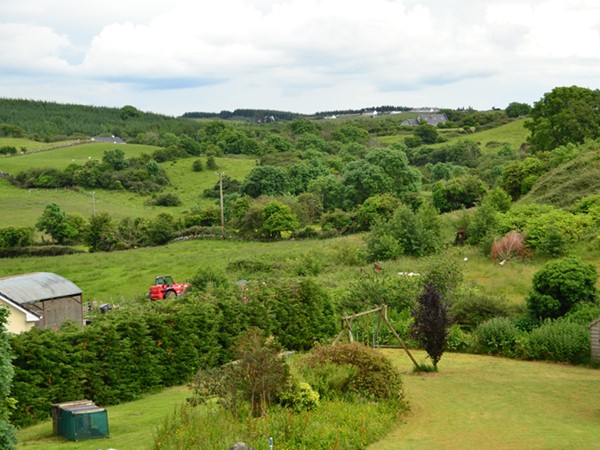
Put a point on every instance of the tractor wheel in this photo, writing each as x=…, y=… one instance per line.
x=170, y=294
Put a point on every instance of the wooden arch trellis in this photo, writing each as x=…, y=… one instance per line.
x=382, y=317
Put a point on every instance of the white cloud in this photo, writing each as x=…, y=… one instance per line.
x=28, y=47
x=311, y=54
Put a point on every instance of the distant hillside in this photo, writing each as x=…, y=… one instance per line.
x=251, y=115
x=570, y=182
x=53, y=121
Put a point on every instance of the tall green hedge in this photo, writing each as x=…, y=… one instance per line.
x=7, y=434
x=141, y=348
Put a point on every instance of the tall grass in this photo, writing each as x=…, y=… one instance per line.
x=333, y=425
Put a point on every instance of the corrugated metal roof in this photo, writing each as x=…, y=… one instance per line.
x=33, y=287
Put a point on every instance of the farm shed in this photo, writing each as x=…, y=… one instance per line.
x=41, y=299
x=109, y=139
x=79, y=420
x=595, y=339
x=430, y=119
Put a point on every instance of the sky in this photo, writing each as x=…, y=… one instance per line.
x=305, y=56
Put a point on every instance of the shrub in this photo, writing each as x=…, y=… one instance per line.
x=206, y=277
x=16, y=237
x=472, y=307
x=300, y=397
x=583, y=313
x=334, y=425
x=498, y=336
x=375, y=378
x=561, y=341
x=407, y=233
x=258, y=376
x=330, y=380
x=512, y=245
x=167, y=200
x=307, y=264
x=211, y=163
x=371, y=288
x=459, y=340
x=197, y=165
x=338, y=220
x=559, y=285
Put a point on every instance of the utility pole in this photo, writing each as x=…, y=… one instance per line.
x=222, y=207
x=93, y=194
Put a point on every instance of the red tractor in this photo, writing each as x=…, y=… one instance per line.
x=165, y=287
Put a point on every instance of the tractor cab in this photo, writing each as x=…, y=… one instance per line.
x=165, y=287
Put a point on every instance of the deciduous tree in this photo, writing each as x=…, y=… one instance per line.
x=566, y=114
x=55, y=223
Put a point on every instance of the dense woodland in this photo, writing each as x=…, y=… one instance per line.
x=404, y=188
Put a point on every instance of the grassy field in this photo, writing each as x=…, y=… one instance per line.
x=59, y=158
x=120, y=276
x=478, y=402
x=512, y=133
x=30, y=203
x=473, y=402
x=27, y=144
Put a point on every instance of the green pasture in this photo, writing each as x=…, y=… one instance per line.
x=27, y=144
x=473, y=402
x=25, y=206
x=513, y=134
x=189, y=185
x=59, y=158
x=120, y=276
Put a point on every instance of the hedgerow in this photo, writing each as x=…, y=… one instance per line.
x=142, y=348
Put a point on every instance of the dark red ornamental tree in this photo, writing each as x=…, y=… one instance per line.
x=430, y=327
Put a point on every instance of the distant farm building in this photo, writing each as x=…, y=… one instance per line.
x=109, y=139
x=430, y=119
x=41, y=299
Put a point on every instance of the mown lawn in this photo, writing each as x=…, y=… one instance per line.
x=131, y=425
x=478, y=402
x=474, y=402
